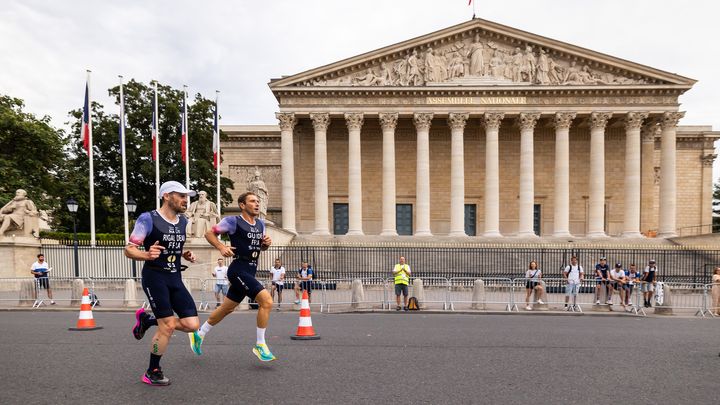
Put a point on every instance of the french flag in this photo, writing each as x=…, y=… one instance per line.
x=154, y=128
x=216, y=140
x=86, y=120
x=183, y=131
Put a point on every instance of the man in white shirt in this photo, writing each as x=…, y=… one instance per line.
x=617, y=281
x=221, y=281
x=40, y=270
x=574, y=274
x=278, y=281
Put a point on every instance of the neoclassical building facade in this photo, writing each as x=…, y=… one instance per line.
x=480, y=130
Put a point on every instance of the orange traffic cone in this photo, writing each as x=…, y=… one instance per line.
x=305, y=329
x=85, y=320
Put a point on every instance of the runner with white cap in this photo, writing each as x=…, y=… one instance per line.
x=162, y=233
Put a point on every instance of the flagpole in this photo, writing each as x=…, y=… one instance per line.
x=217, y=152
x=92, y=174
x=157, y=149
x=124, y=165
x=187, y=141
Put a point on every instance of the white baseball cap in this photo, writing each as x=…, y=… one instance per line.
x=175, y=187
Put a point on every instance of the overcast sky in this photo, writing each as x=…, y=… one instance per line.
x=238, y=46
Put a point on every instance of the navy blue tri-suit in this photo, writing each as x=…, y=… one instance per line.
x=246, y=238
x=161, y=279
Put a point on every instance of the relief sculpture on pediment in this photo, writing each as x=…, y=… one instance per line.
x=475, y=61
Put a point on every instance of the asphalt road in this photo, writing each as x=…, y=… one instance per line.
x=370, y=358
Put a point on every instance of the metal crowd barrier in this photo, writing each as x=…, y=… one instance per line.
x=712, y=301
x=338, y=292
x=688, y=297
x=498, y=293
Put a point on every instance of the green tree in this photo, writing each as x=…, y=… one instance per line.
x=107, y=160
x=31, y=155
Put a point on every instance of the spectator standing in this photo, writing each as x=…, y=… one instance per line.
x=305, y=277
x=649, y=278
x=574, y=275
x=401, y=273
x=716, y=292
x=532, y=283
x=40, y=270
x=221, y=281
x=278, y=281
x=602, y=277
x=632, y=278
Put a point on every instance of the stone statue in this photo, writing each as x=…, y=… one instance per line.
x=555, y=71
x=368, y=79
x=414, y=77
x=457, y=67
x=543, y=68
x=477, y=63
x=400, y=72
x=517, y=60
x=203, y=214
x=434, y=70
x=497, y=66
x=258, y=187
x=529, y=64
x=15, y=214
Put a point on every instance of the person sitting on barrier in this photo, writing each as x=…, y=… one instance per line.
x=617, y=282
x=574, y=274
x=632, y=276
x=221, y=281
x=278, y=281
x=649, y=278
x=40, y=270
x=715, y=308
x=305, y=276
x=401, y=273
x=603, y=281
x=532, y=283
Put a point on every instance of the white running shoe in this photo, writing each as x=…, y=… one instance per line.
x=597, y=302
x=528, y=308
x=540, y=302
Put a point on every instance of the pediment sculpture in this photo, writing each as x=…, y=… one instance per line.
x=474, y=61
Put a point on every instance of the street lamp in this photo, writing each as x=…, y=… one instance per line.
x=131, y=206
x=72, y=206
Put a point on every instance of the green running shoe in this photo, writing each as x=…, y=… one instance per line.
x=195, y=342
x=263, y=352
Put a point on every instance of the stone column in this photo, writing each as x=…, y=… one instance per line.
x=596, y=223
x=527, y=174
x=457, y=122
x=321, y=121
x=422, y=190
x=648, y=209
x=667, y=225
x=354, y=123
x=492, y=174
x=631, y=223
x=561, y=217
x=388, y=122
x=287, y=124
x=707, y=159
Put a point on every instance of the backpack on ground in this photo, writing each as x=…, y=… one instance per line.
x=413, y=304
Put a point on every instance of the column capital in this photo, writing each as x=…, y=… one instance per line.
x=564, y=119
x=670, y=119
x=493, y=120
x=354, y=120
x=598, y=120
x=634, y=120
x=708, y=160
x=458, y=120
x=388, y=121
x=287, y=120
x=528, y=120
x=422, y=120
x=321, y=121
